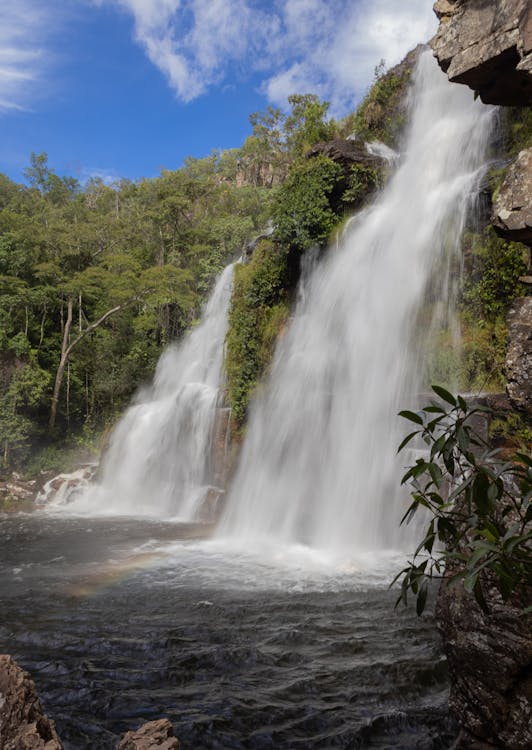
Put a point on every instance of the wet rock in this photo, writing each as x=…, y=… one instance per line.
x=519, y=354
x=211, y=506
x=490, y=667
x=220, y=446
x=62, y=489
x=154, y=735
x=346, y=153
x=23, y=723
x=17, y=494
x=512, y=213
x=487, y=45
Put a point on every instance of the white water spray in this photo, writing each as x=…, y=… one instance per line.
x=319, y=465
x=158, y=461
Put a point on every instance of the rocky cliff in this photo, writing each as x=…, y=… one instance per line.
x=23, y=723
x=487, y=45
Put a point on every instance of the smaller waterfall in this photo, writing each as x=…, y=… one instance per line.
x=159, y=458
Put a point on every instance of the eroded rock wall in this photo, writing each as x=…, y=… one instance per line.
x=490, y=666
x=23, y=723
x=487, y=45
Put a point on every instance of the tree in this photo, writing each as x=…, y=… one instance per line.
x=123, y=286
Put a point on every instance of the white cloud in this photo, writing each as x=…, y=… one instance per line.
x=24, y=26
x=330, y=47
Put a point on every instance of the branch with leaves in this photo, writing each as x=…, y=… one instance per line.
x=478, y=506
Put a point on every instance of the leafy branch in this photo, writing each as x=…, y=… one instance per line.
x=478, y=507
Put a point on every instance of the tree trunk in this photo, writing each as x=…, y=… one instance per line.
x=65, y=351
x=67, y=348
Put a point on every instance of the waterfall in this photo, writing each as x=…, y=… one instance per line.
x=158, y=460
x=319, y=464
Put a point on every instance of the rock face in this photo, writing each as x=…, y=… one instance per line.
x=512, y=212
x=487, y=45
x=346, y=153
x=155, y=735
x=490, y=666
x=23, y=723
x=519, y=355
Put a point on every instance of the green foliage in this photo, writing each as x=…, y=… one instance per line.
x=302, y=212
x=493, y=268
x=511, y=429
x=517, y=128
x=478, y=507
x=259, y=308
x=151, y=248
x=19, y=405
x=306, y=125
x=363, y=180
x=381, y=115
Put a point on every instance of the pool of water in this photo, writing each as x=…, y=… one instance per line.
x=121, y=621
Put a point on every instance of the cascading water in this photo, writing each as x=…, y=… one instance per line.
x=158, y=459
x=319, y=465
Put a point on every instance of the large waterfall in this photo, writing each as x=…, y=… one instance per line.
x=319, y=464
x=158, y=460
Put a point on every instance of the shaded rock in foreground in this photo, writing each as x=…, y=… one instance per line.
x=23, y=723
x=519, y=355
x=154, y=735
x=487, y=45
x=490, y=665
x=512, y=212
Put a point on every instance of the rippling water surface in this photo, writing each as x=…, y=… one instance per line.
x=122, y=621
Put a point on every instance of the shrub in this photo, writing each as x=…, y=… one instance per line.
x=479, y=507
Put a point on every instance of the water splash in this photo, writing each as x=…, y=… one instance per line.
x=158, y=460
x=319, y=466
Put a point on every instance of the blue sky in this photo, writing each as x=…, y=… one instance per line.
x=122, y=88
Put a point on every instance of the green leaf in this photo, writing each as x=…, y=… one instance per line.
x=421, y=599
x=412, y=416
x=444, y=394
x=407, y=439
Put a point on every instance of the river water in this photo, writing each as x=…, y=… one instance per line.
x=122, y=621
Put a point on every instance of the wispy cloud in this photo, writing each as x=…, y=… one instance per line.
x=24, y=26
x=327, y=46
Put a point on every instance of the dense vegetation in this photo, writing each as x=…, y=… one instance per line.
x=95, y=280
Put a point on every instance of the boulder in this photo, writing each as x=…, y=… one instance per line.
x=519, y=355
x=487, y=45
x=490, y=660
x=512, y=212
x=346, y=153
x=23, y=723
x=154, y=735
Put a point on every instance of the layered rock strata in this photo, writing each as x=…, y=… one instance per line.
x=487, y=45
x=154, y=735
x=512, y=212
x=23, y=723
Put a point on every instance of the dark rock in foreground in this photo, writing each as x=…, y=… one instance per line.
x=487, y=45
x=23, y=723
x=25, y=726
x=490, y=665
x=154, y=735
